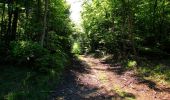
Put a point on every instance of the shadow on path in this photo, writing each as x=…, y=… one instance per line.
x=135, y=83
x=72, y=88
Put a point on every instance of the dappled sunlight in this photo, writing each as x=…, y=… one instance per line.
x=84, y=50
x=83, y=85
x=108, y=80
x=126, y=84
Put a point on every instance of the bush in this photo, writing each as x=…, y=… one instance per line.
x=76, y=48
x=131, y=64
x=31, y=54
x=27, y=48
x=49, y=62
x=39, y=67
x=25, y=52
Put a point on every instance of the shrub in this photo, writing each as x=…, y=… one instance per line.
x=25, y=52
x=30, y=53
x=131, y=64
x=49, y=62
x=27, y=48
x=76, y=48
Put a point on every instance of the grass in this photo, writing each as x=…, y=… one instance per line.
x=18, y=83
x=102, y=77
x=155, y=70
x=123, y=94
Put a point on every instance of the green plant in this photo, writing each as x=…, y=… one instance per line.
x=25, y=52
x=76, y=48
x=26, y=49
x=25, y=84
x=32, y=54
x=131, y=64
x=50, y=62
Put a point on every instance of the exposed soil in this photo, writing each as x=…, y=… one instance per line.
x=94, y=79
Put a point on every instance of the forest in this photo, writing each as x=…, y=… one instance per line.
x=119, y=51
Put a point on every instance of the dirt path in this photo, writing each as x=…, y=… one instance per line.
x=94, y=79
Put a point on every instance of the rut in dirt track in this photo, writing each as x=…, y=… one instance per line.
x=94, y=79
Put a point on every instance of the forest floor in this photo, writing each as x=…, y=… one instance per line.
x=95, y=79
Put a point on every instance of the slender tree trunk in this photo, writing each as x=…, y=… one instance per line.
x=161, y=23
x=45, y=23
x=14, y=24
x=39, y=19
x=153, y=16
x=2, y=21
x=123, y=27
x=130, y=28
x=27, y=4
x=8, y=34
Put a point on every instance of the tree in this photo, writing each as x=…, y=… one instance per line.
x=45, y=23
x=127, y=26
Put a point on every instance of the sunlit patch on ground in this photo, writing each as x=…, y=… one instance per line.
x=99, y=81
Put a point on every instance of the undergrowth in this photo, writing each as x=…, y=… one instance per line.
x=156, y=70
x=31, y=72
x=25, y=84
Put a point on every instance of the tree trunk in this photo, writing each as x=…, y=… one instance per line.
x=14, y=24
x=161, y=23
x=39, y=19
x=2, y=21
x=8, y=34
x=154, y=13
x=123, y=17
x=130, y=28
x=45, y=23
x=27, y=4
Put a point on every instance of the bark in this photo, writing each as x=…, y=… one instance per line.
x=45, y=23
x=154, y=13
x=39, y=21
x=123, y=27
x=161, y=23
x=130, y=28
x=27, y=4
x=2, y=21
x=14, y=24
x=8, y=38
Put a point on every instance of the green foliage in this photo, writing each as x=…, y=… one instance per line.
x=155, y=70
x=132, y=64
x=23, y=47
x=25, y=52
x=27, y=49
x=58, y=42
x=124, y=26
x=49, y=62
x=76, y=48
x=25, y=84
x=22, y=25
x=129, y=29
x=33, y=55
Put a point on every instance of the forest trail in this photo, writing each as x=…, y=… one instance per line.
x=94, y=79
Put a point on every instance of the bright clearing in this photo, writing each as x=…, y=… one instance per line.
x=76, y=6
